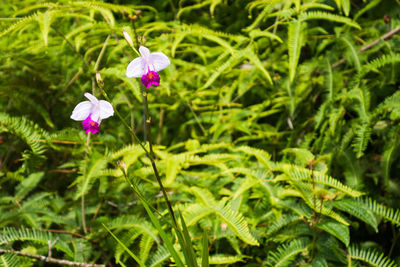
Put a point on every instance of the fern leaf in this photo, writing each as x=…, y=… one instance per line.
x=28, y=185
x=363, y=136
x=158, y=257
x=250, y=55
x=257, y=33
x=281, y=222
x=330, y=17
x=383, y=211
x=295, y=42
x=91, y=168
x=9, y=260
x=11, y=235
x=23, y=22
x=374, y=258
x=353, y=53
x=336, y=229
x=28, y=131
x=356, y=209
x=286, y=253
x=261, y=155
x=237, y=223
x=300, y=173
x=221, y=259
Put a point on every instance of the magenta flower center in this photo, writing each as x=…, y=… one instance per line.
x=151, y=78
x=90, y=126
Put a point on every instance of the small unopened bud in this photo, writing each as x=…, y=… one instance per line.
x=122, y=165
x=386, y=19
x=128, y=38
x=138, y=12
x=224, y=226
x=99, y=79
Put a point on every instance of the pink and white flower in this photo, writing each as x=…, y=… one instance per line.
x=92, y=112
x=147, y=66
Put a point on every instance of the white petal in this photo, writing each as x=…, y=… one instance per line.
x=95, y=116
x=136, y=68
x=92, y=98
x=144, y=51
x=82, y=111
x=159, y=61
x=106, y=109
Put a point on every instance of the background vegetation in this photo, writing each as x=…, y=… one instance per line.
x=275, y=131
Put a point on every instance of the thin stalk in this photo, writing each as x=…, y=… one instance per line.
x=83, y=181
x=148, y=137
x=153, y=164
x=150, y=154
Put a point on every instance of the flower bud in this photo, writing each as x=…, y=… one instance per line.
x=99, y=79
x=128, y=38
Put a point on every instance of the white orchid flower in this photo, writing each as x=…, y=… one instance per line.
x=147, y=66
x=92, y=112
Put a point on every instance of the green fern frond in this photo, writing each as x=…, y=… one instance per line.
x=295, y=42
x=11, y=235
x=205, y=32
x=303, y=174
x=23, y=22
x=27, y=185
x=285, y=254
x=195, y=212
x=145, y=245
x=9, y=260
x=28, y=131
x=362, y=137
x=336, y=229
x=281, y=222
x=237, y=223
x=133, y=222
x=113, y=7
x=387, y=213
x=192, y=7
x=91, y=168
x=374, y=258
x=221, y=259
x=358, y=210
x=228, y=64
x=253, y=58
x=257, y=33
x=306, y=193
x=261, y=155
x=204, y=196
x=330, y=17
x=379, y=63
x=353, y=53
x=158, y=257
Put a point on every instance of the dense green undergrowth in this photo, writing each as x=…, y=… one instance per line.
x=275, y=134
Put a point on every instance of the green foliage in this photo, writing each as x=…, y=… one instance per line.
x=274, y=130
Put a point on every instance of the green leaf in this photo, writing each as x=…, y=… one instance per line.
x=126, y=249
x=340, y=231
x=205, y=255
x=295, y=42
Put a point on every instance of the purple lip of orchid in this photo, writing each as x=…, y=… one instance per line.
x=90, y=126
x=151, y=78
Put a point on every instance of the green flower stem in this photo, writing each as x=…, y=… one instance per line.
x=150, y=154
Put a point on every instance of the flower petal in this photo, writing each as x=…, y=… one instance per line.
x=92, y=98
x=106, y=109
x=159, y=61
x=145, y=52
x=82, y=111
x=136, y=68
